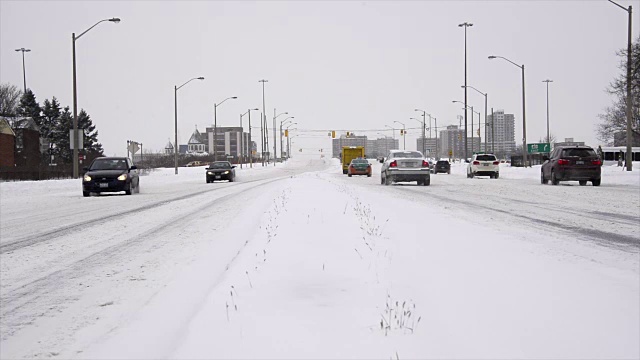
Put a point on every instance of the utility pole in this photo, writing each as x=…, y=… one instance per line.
x=263, y=120
x=274, y=136
x=465, y=25
x=548, y=81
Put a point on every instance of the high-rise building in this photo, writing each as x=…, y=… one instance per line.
x=228, y=142
x=451, y=142
x=431, y=145
x=502, y=136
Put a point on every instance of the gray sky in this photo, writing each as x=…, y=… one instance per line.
x=344, y=65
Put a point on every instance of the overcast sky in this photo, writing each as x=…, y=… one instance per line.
x=334, y=65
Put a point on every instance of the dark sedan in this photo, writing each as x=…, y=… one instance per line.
x=221, y=170
x=442, y=166
x=110, y=174
x=572, y=163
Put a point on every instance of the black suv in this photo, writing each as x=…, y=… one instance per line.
x=110, y=174
x=442, y=166
x=572, y=163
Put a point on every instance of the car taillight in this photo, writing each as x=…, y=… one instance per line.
x=563, y=162
x=476, y=163
x=496, y=163
x=425, y=163
x=596, y=162
x=393, y=164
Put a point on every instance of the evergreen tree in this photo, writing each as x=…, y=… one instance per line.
x=91, y=145
x=60, y=137
x=29, y=107
x=49, y=124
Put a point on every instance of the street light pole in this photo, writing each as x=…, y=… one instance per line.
x=274, y=133
x=263, y=121
x=175, y=106
x=485, y=114
x=281, y=122
x=465, y=25
x=215, y=127
x=24, y=72
x=424, y=114
x=548, y=136
x=524, y=113
x=629, y=157
x=76, y=140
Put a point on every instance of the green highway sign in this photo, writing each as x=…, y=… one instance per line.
x=538, y=148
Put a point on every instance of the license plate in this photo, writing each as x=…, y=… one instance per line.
x=104, y=185
x=579, y=162
x=485, y=164
x=217, y=176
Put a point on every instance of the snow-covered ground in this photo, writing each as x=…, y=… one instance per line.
x=300, y=261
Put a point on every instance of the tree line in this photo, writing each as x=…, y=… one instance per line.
x=614, y=118
x=54, y=122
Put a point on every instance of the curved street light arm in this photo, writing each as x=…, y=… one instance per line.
x=618, y=5
x=284, y=113
x=469, y=86
x=115, y=20
x=504, y=58
x=196, y=78
x=231, y=97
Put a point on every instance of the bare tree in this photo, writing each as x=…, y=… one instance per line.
x=9, y=99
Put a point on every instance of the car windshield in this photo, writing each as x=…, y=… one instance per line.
x=406, y=154
x=579, y=152
x=220, y=165
x=485, y=158
x=441, y=162
x=359, y=161
x=109, y=164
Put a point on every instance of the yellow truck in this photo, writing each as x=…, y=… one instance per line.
x=349, y=153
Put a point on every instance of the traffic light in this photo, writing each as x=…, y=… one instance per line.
x=333, y=134
x=348, y=134
x=286, y=132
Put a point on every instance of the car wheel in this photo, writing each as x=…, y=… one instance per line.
x=595, y=182
x=138, y=188
x=542, y=179
x=349, y=175
x=85, y=193
x=497, y=175
x=381, y=180
x=387, y=180
x=554, y=180
x=344, y=172
x=471, y=175
x=368, y=175
x=582, y=182
x=448, y=172
x=426, y=182
x=231, y=179
x=128, y=191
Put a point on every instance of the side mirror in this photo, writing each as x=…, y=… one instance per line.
x=133, y=167
x=545, y=158
x=233, y=166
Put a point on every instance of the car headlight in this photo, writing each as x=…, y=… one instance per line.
x=209, y=172
x=122, y=177
x=87, y=178
x=225, y=173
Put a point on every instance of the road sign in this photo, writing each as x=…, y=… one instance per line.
x=450, y=153
x=538, y=148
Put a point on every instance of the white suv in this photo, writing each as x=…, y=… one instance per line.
x=483, y=165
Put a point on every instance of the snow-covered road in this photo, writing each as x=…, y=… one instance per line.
x=299, y=260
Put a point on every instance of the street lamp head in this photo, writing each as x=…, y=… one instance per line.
x=465, y=24
x=492, y=57
x=200, y=78
x=115, y=20
x=256, y=109
x=234, y=97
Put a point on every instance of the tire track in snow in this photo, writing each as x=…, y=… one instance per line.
x=623, y=242
x=41, y=292
x=83, y=225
